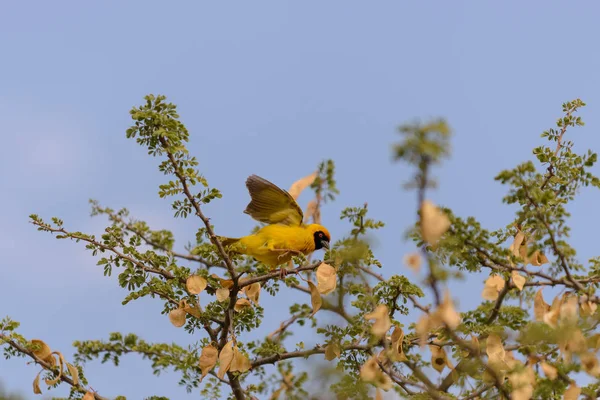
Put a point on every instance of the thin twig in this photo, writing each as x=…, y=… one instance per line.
x=277, y=274
x=129, y=227
x=301, y=354
x=165, y=274
x=47, y=366
x=496, y=310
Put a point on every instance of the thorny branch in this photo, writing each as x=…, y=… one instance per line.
x=499, y=300
x=131, y=228
x=423, y=183
x=227, y=325
x=165, y=274
x=422, y=381
x=550, y=169
x=47, y=366
x=274, y=275
x=298, y=354
x=199, y=213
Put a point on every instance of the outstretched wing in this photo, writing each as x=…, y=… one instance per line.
x=271, y=204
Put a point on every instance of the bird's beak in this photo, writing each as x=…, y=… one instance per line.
x=325, y=244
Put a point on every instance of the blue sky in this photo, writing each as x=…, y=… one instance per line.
x=270, y=88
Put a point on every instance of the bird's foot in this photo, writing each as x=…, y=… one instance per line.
x=283, y=272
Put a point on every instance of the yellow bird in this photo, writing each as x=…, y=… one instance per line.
x=285, y=235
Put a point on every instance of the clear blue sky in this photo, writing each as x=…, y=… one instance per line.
x=269, y=88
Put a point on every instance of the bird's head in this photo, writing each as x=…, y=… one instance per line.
x=321, y=236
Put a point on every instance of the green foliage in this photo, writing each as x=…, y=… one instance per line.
x=325, y=185
x=424, y=145
x=370, y=332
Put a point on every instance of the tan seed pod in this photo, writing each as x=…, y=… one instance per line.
x=241, y=304
x=222, y=294
x=177, y=317
x=315, y=298
x=195, y=284
x=208, y=359
x=43, y=350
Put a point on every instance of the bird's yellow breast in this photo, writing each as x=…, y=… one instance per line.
x=277, y=237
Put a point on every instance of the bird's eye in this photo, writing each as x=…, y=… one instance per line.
x=320, y=235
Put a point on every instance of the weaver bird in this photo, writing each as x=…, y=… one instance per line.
x=285, y=234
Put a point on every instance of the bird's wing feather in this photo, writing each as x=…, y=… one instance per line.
x=270, y=204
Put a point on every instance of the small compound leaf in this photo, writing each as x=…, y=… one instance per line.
x=195, y=284
x=208, y=360
x=177, y=317
x=326, y=278
x=315, y=298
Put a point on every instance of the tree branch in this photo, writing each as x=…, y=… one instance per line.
x=234, y=382
x=199, y=213
x=273, y=275
x=498, y=305
x=129, y=227
x=304, y=353
x=47, y=366
x=165, y=274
